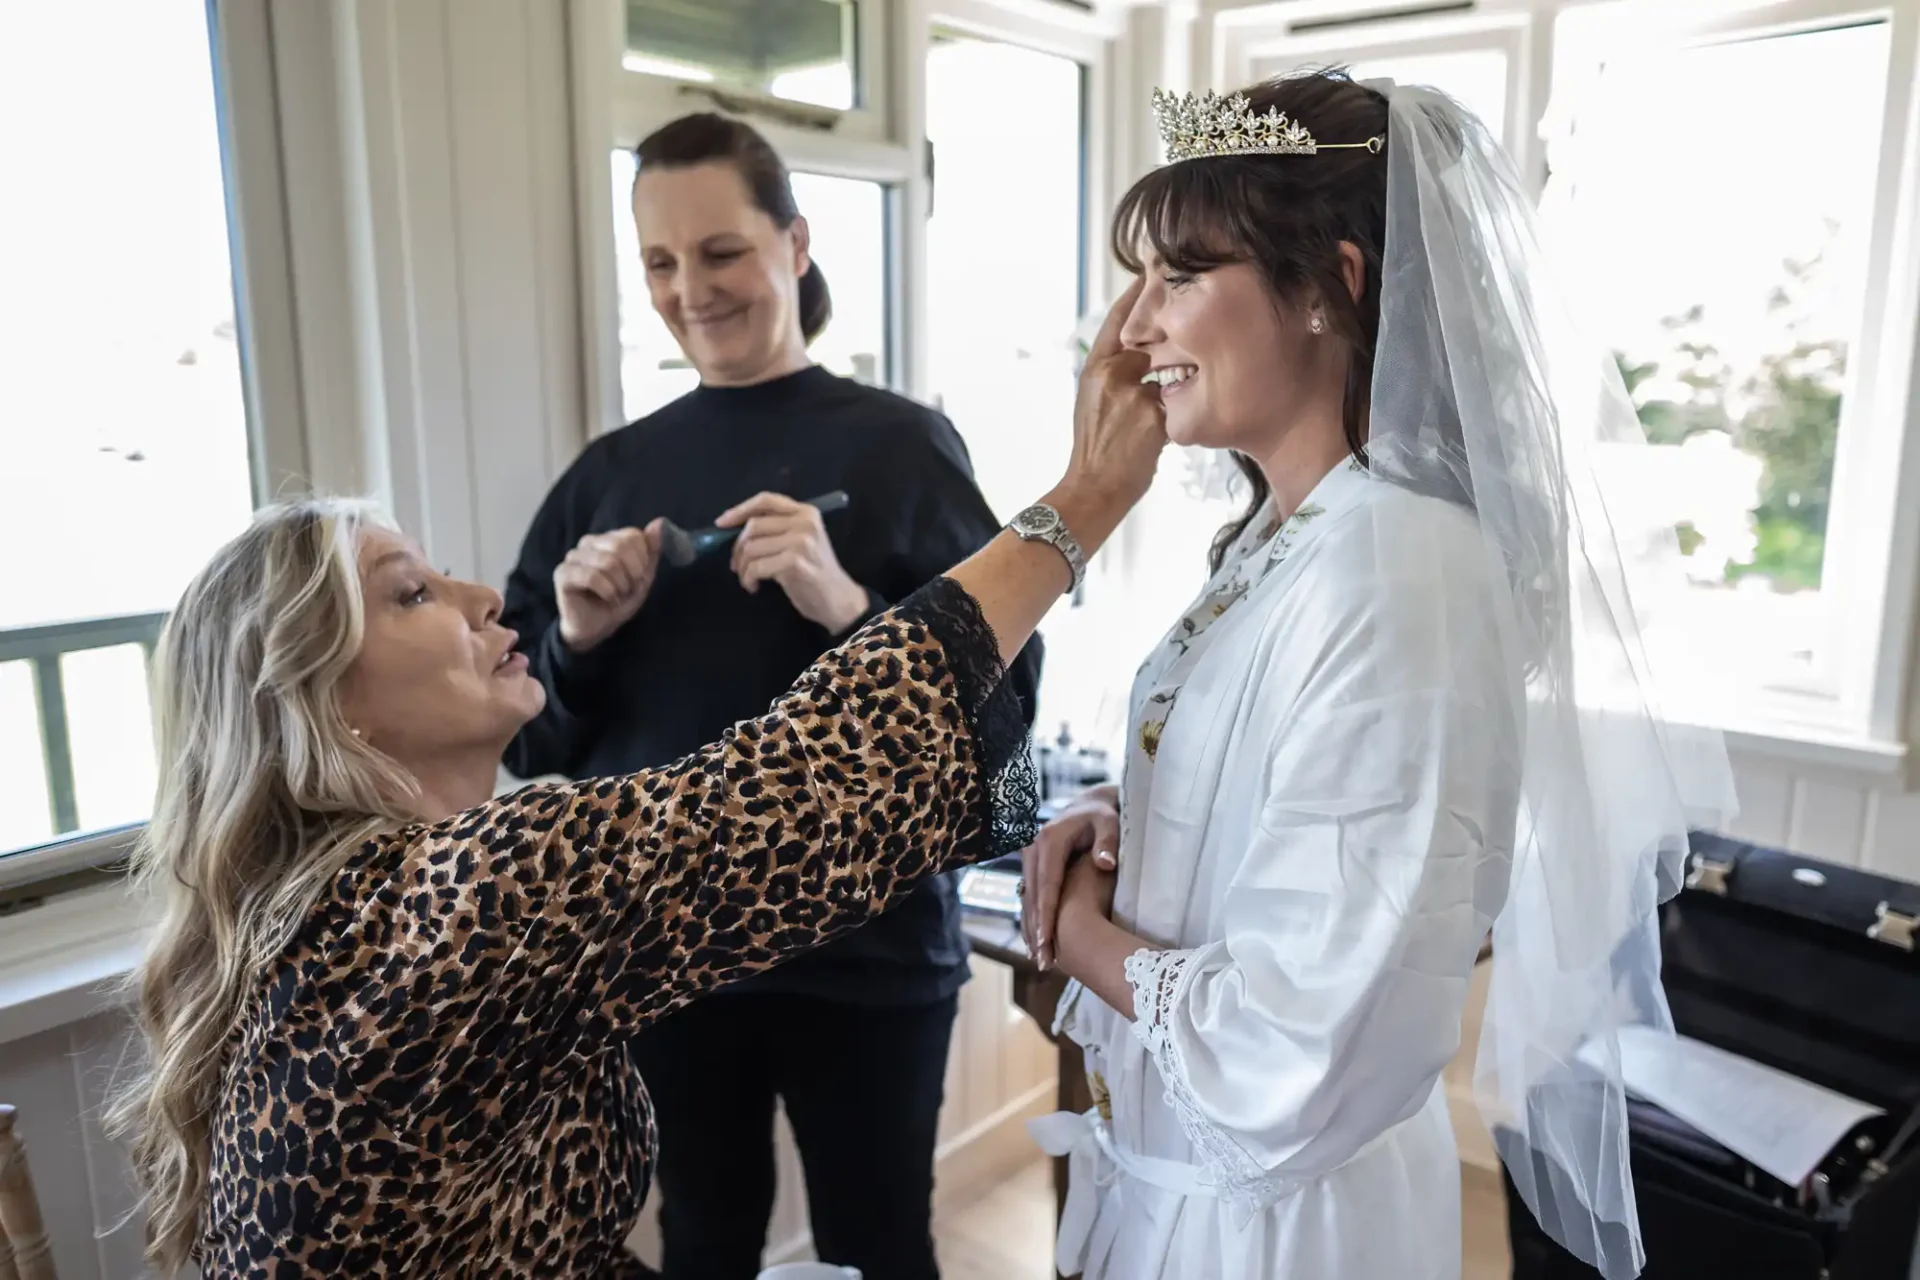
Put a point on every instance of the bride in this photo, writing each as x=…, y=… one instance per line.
x=1360, y=751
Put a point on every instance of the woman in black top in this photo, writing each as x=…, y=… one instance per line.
x=853, y=1038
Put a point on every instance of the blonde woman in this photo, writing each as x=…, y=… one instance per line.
x=387, y=1014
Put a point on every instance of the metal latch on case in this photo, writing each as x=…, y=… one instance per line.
x=1705, y=875
x=1895, y=928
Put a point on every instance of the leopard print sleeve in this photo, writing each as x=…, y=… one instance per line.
x=589, y=909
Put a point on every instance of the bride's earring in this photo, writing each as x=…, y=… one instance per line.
x=1316, y=323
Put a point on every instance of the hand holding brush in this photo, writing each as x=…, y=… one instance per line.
x=681, y=548
x=776, y=539
x=603, y=582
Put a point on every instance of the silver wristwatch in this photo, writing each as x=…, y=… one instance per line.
x=1041, y=523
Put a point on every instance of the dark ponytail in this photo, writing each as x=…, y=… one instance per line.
x=816, y=303
x=709, y=138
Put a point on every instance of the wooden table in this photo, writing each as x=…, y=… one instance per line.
x=1036, y=994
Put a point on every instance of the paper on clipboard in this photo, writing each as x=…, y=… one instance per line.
x=1779, y=1122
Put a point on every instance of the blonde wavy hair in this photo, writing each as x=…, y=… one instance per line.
x=264, y=792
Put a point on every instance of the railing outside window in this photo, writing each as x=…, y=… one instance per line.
x=42, y=649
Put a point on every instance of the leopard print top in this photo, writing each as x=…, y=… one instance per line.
x=432, y=1079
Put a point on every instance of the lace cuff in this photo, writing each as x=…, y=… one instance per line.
x=1159, y=980
x=1002, y=743
x=1064, y=1009
x=1155, y=979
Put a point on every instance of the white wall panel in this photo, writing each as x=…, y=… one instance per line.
x=57, y=1080
x=1828, y=820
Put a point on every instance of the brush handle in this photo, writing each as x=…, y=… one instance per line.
x=707, y=540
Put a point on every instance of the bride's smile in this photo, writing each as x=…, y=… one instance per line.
x=1237, y=366
x=1171, y=378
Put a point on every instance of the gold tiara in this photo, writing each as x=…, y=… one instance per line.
x=1196, y=125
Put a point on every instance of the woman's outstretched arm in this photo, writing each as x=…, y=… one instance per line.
x=580, y=912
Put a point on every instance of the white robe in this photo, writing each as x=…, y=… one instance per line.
x=1320, y=836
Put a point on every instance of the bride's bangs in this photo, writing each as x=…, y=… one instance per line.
x=1187, y=214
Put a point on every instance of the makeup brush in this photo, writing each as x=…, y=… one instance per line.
x=680, y=548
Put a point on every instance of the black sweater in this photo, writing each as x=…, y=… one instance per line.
x=702, y=654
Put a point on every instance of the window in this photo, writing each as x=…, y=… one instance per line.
x=1004, y=275
x=1749, y=267
x=1005, y=289
x=847, y=224
x=1476, y=77
x=799, y=50
x=1729, y=286
x=810, y=72
x=122, y=413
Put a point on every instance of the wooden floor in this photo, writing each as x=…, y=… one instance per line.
x=1008, y=1234
x=1483, y=1226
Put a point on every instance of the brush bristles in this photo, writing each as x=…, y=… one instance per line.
x=676, y=545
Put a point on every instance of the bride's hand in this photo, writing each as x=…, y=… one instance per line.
x=1089, y=825
x=1119, y=425
x=1087, y=895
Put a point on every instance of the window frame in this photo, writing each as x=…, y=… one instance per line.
x=1853, y=714
x=240, y=49
x=1088, y=38
x=654, y=96
x=1080, y=41
x=615, y=108
x=1247, y=37
x=1857, y=688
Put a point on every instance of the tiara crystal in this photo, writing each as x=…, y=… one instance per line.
x=1193, y=126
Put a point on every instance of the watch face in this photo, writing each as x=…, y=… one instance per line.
x=1038, y=521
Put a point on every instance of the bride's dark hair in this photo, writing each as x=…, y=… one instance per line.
x=1288, y=216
